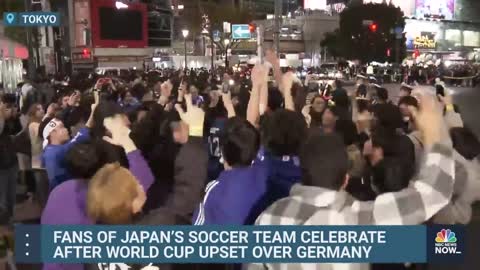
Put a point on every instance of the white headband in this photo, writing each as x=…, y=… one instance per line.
x=48, y=129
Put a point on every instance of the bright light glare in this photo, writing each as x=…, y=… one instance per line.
x=231, y=82
x=120, y=5
x=185, y=33
x=448, y=63
x=181, y=7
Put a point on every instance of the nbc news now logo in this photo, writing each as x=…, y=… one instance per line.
x=446, y=243
x=31, y=19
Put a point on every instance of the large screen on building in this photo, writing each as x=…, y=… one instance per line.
x=315, y=4
x=114, y=27
x=442, y=9
x=407, y=6
x=120, y=24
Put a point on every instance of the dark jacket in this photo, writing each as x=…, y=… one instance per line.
x=153, y=137
x=190, y=178
x=174, y=200
x=8, y=129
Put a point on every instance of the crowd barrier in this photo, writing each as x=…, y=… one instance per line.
x=463, y=81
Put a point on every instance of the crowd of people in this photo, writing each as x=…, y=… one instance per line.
x=179, y=147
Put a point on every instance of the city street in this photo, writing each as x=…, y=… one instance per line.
x=117, y=112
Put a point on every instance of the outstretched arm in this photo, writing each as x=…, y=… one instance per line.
x=259, y=79
x=271, y=57
x=227, y=103
x=286, y=88
x=431, y=190
x=90, y=121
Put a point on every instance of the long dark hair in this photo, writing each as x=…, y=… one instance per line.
x=317, y=116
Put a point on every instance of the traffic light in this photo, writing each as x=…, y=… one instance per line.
x=252, y=27
x=416, y=53
x=373, y=27
x=86, y=53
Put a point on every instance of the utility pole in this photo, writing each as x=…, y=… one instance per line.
x=260, y=43
x=397, y=51
x=212, y=56
x=31, y=64
x=277, y=26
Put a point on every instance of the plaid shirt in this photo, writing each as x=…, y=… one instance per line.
x=429, y=192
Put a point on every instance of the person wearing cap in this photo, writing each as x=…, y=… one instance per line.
x=405, y=90
x=56, y=144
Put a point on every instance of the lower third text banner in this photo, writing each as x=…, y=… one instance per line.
x=237, y=244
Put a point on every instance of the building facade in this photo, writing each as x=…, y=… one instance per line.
x=108, y=33
x=441, y=29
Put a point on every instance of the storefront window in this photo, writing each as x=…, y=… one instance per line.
x=471, y=39
x=454, y=36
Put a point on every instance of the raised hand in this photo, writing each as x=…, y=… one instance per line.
x=228, y=104
x=306, y=114
x=120, y=133
x=271, y=57
x=429, y=120
x=96, y=98
x=74, y=99
x=259, y=74
x=446, y=100
x=287, y=82
x=193, y=117
x=52, y=108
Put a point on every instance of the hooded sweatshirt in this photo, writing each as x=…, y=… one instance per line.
x=67, y=202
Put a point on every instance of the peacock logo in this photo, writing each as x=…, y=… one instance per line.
x=446, y=236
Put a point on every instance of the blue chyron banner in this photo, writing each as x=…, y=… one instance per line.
x=239, y=244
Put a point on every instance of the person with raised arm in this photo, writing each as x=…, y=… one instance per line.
x=321, y=198
x=56, y=143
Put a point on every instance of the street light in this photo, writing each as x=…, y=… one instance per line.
x=120, y=5
x=185, y=35
x=226, y=42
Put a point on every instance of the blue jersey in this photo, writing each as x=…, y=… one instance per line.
x=235, y=198
x=215, y=167
x=283, y=172
x=240, y=195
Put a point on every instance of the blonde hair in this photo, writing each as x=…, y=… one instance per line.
x=32, y=111
x=111, y=192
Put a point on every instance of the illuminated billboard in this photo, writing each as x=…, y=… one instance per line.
x=315, y=4
x=440, y=9
x=422, y=34
x=407, y=6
